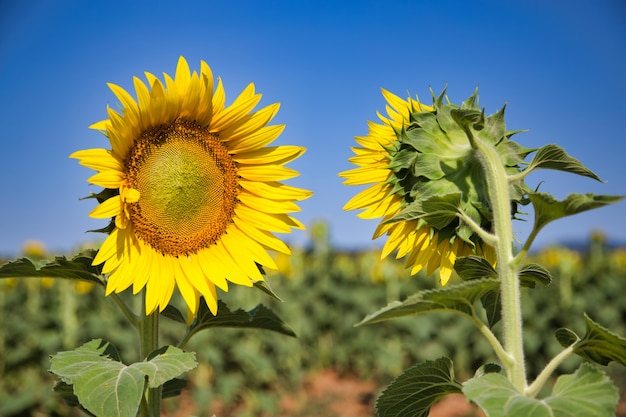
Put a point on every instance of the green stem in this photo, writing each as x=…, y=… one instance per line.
x=498, y=188
x=524, y=251
x=534, y=388
x=185, y=339
x=505, y=358
x=487, y=237
x=133, y=319
x=149, y=335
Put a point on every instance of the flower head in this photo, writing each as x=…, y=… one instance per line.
x=192, y=187
x=426, y=181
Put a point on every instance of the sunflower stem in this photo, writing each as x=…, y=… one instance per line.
x=498, y=189
x=487, y=237
x=132, y=318
x=149, y=336
x=502, y=354
x=534, y=388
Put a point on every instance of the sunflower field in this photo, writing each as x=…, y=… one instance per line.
x=325, y=292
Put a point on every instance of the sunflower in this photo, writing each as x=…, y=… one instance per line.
x=193, y=191
x=417, y=161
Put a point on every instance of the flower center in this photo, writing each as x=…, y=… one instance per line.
x=188, y=187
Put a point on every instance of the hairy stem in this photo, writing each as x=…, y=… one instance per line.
x=505, y=358
x=498, y=188
x=534, y=388
x=149, y=335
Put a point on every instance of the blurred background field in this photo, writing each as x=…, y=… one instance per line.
x=325, y=292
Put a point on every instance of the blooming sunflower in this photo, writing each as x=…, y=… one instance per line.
x=418, y=162
x=192, y=189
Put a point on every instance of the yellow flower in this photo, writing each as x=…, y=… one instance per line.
x=400, y=170
x=193, y=189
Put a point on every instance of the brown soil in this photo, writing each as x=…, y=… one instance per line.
x=327, y=394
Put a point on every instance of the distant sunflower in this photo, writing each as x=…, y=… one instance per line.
x=417, y=158
x=192, y=187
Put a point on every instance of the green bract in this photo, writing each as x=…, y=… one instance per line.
x=439, y=173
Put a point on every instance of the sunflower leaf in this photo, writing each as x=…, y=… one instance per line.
x=599, y=345
x=417, y=389
x=267, y=289
x=474, y=267
x=554, y=157
x=548, y=209
x=459, y=298
x=78, y=268
x=487, y=368
x=165, y=364
x=533, y=273
x=586, y=392
x=173, y=313
x=437, y=211
x=105, y=386
x=260, y=317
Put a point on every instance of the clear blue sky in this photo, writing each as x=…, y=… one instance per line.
x=560, y=66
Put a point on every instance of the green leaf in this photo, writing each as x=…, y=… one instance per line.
x=492, y=306
x=459, y=298
x=403, y=159
x=267, y=289
x=166, y=363
x=428, y=165
x=467, y=118
x=173, y=387
x=554, y=157
x=599, y=345
x=110, y=388
x=102, y=385
x=259, y=317
x=487, y=368
x=173, y=313
x=548, y=209
x=105, y=386
x=78, y=268
x=415, y=391
x=474, y=267
x=68, y=365
x=532, y=274
x=587, y=392
x=437, y=211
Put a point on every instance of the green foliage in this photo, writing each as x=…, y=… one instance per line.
x=417, y=389
x=599, y=345
x=260, y=317
x=547, y=208
x=459, y=298
x=78, y=268
x=105, y=386
x=554, y=157
x=587, y=392
x=325, y=292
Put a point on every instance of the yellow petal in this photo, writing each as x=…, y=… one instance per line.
x=266, y=205
x=264, y=238
x=256, y=140
x=267, y=173
x=107, y=179
x=275, y=190
x=98, y=159
x=276, y=155
x=108, y=208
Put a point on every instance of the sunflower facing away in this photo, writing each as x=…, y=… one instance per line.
x=192, y=187
x=418, y=160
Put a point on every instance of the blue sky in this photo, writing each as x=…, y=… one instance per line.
x=560, y=66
